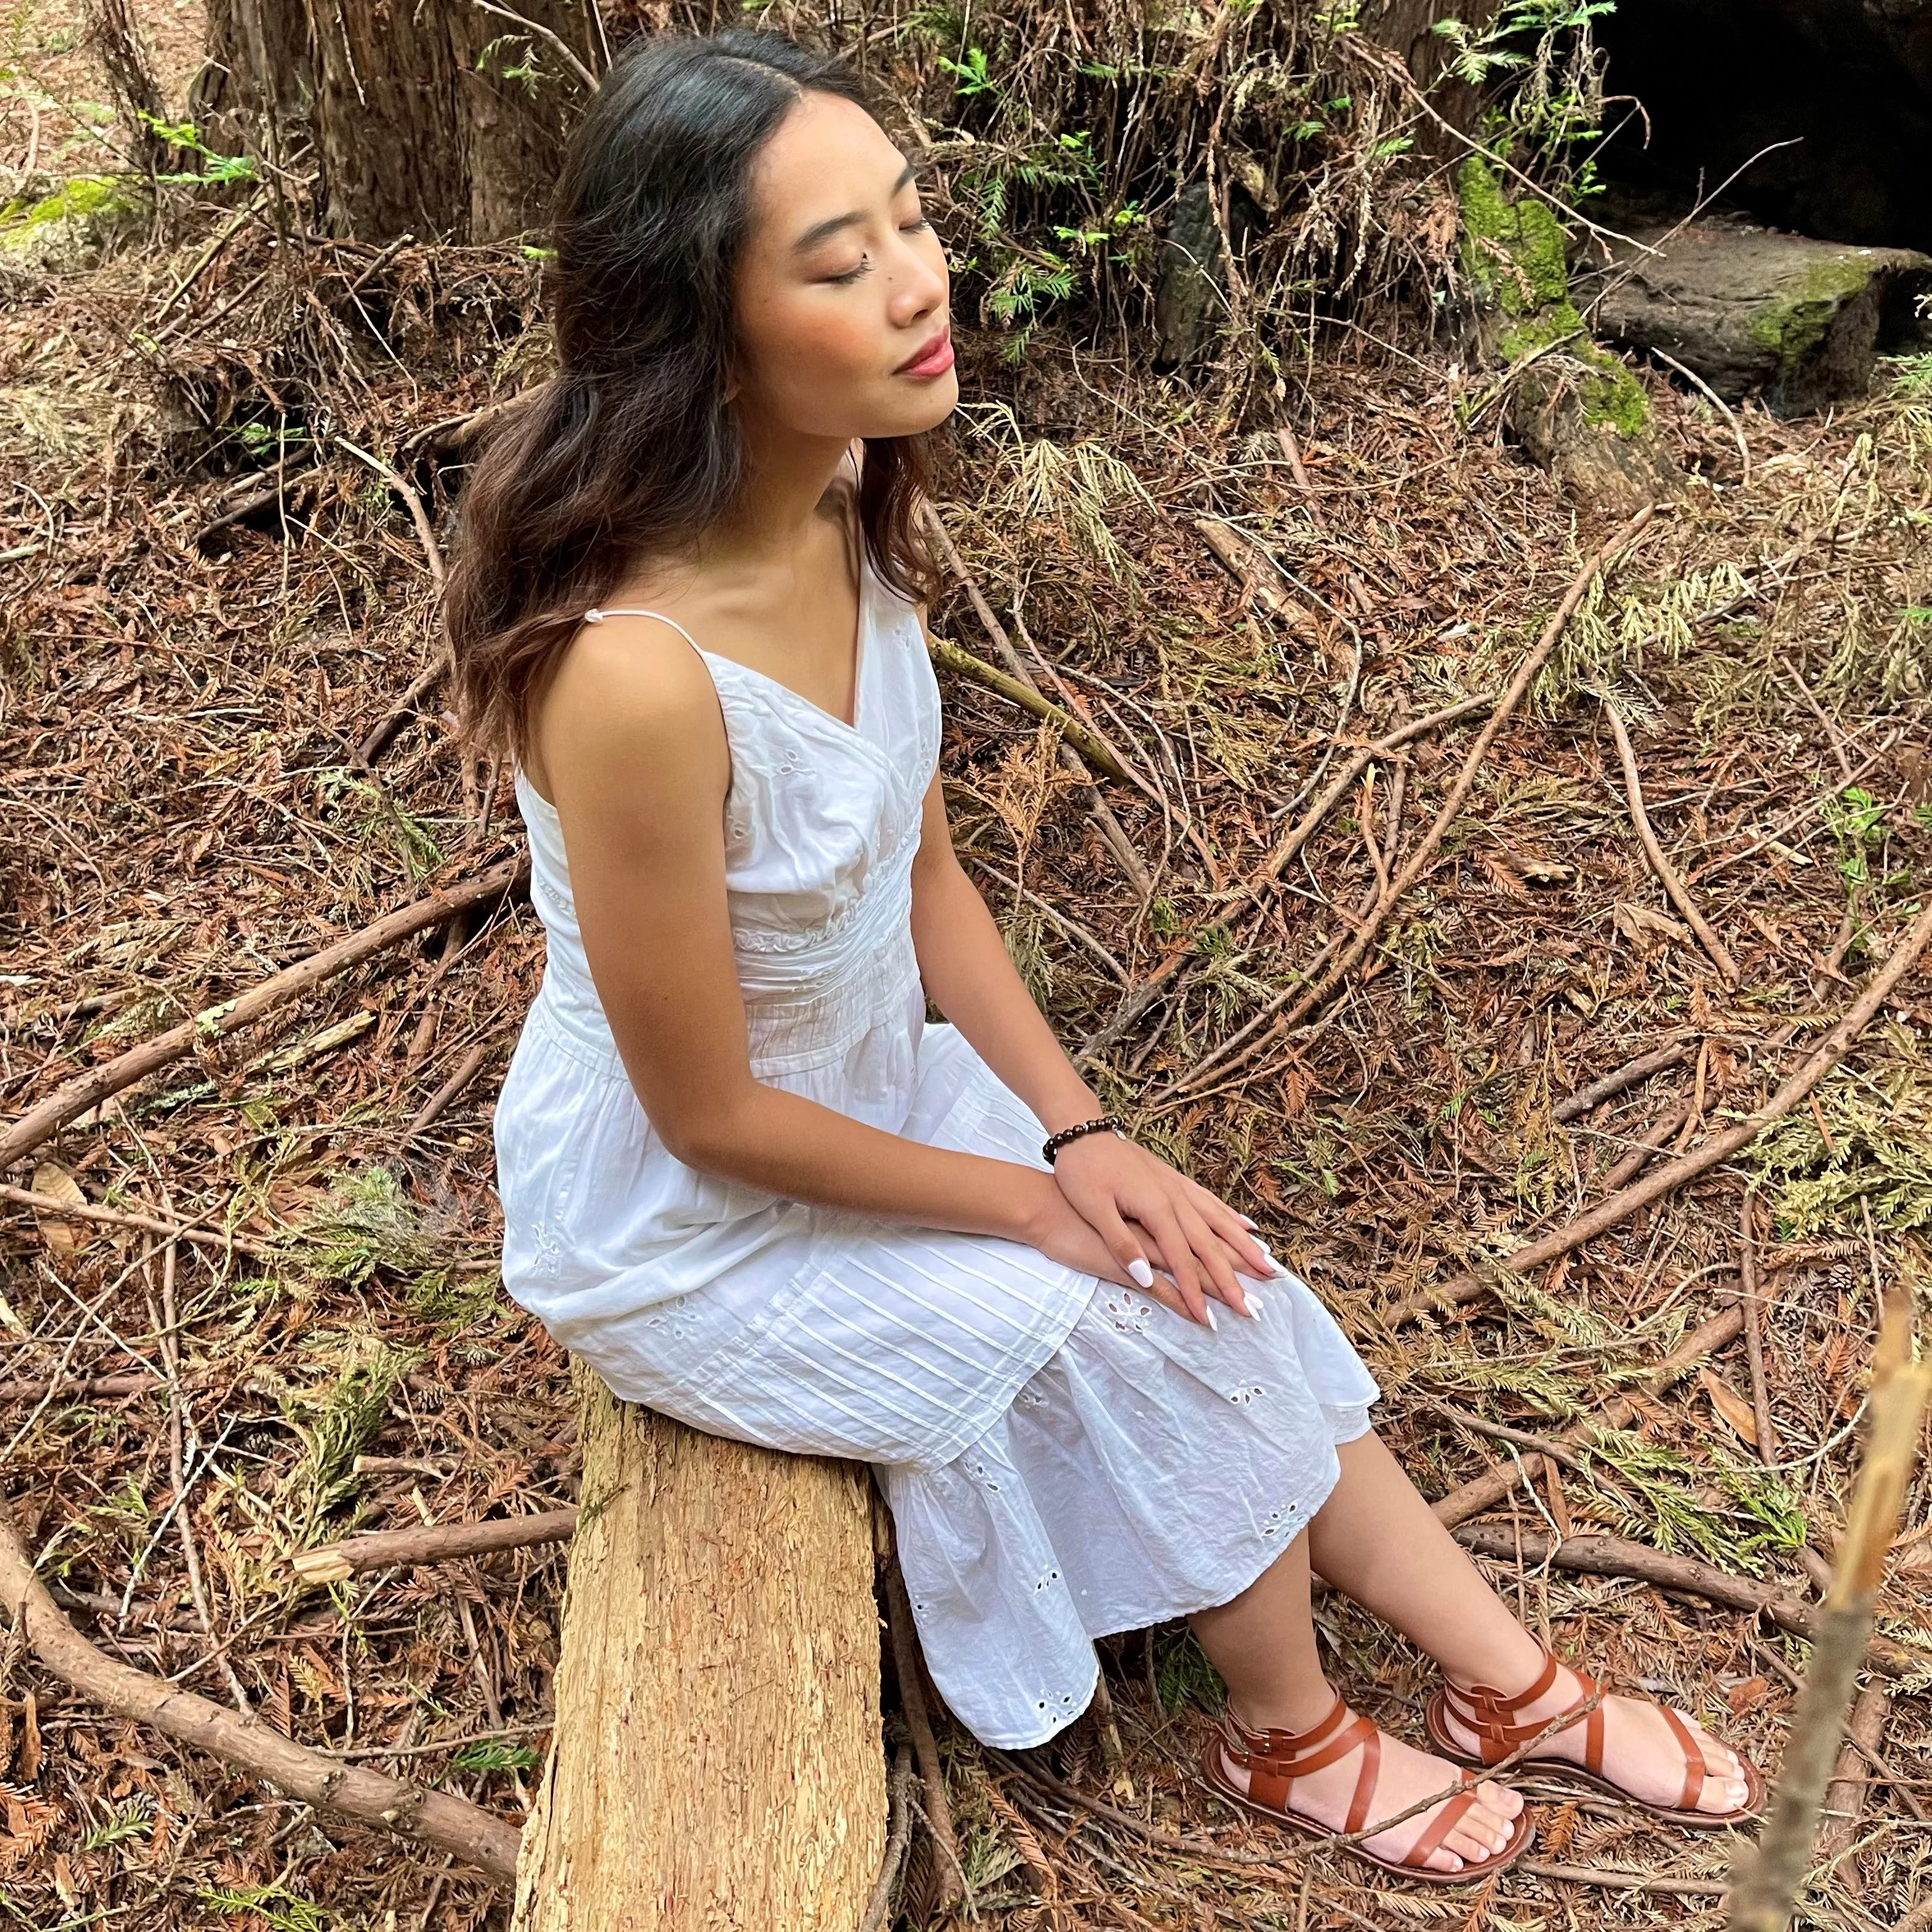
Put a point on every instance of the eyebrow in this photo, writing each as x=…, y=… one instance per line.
x=821, y=231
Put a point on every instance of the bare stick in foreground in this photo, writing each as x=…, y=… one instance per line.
x=1767, y=1878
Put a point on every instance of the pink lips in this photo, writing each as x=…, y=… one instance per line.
x=935, y=359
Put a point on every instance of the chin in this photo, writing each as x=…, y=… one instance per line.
x=926, y=408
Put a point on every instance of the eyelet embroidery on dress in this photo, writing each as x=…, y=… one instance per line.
x=1128, y=1313
x=1274, y=1525
x=1030, y=1397
x=1064, y=1701
x=1241, y=1397
x=677, y=1316
x=1046, y=1582
x=981, y=1474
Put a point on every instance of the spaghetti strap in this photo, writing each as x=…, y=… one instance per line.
x=594, y=616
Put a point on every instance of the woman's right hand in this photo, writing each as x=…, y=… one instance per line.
x=1061, y=1233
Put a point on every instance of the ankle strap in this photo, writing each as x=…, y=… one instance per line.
x=1274, y=1759
x=1489, y=1715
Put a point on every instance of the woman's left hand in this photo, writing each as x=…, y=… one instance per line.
x=1198, y=1240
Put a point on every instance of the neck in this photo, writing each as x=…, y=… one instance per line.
x=786, y=477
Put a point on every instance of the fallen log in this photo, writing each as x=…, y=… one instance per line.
x=716, y=1758
x=1754, y=312
x=452, y=1825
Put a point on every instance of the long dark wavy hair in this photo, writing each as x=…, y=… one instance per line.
x=631, y=449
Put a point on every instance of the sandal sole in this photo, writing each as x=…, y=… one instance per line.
x=1473, y=1873
x=1570, y=1773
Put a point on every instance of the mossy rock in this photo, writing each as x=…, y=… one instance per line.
x=69, y=227
x=1754, y=312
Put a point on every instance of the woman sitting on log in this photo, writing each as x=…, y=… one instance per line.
x=744, y=1178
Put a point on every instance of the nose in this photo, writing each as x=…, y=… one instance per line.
x=920, y=287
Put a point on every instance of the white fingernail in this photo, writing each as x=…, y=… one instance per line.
x=1254, y=1302
x=1251, y=1225
x=1139, y=1268
x=1207, y=1309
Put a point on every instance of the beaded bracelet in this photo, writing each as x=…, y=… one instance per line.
x=1108, y=1123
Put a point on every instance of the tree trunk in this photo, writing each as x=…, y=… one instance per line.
x=717, y=1759
x=1752, y=312
x=441, y=120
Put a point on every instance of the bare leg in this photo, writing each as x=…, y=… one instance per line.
x=1377, y=1541
x=1263, y=1644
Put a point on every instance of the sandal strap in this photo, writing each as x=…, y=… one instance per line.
x=1487, y=1713
x=1438, y=1828
x=1274, y=1759
x=1491, y=1715
x=1695, y=1772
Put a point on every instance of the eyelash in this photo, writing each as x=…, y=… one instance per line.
x=865, y=265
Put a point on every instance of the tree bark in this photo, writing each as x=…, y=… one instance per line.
x=441, y=121
x=717, y=1758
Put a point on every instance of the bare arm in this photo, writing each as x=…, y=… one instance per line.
x=1127, y=1194
x=636, y=751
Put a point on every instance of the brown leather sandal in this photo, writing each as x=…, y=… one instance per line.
x=1489, y=1715
x=1274, y=1759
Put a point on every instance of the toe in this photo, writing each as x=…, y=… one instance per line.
x=1500, y=1800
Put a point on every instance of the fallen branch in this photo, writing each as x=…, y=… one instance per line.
x=1082, y=737
x=442, y=1542
x=89, y=1089
x=1620, y=1206
x=1311, y=821
x=1113, y=834
x=1680, y=895
x=1614, y=1556
x=1752, y=1303
x=1845, y=1801
x=1767, y=1877
x=1608, y=1878
x=1574, y=1106
x=1218, y=1065
x=452, y=1825
x=51, y=1207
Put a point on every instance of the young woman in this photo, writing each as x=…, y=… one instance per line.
x=742, y=1176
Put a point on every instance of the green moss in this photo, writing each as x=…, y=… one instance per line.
x=73, y=218
x=1539, y=330
x=1527, y=231
x=1610, y=393
x=1791, y=325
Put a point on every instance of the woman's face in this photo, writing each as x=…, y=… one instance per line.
x=842, y=326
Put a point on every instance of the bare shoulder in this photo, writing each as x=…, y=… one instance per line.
x=632, y=702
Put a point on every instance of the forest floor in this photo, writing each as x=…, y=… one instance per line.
x=214, y=597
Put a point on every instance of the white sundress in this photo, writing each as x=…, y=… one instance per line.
x=1062, y=1458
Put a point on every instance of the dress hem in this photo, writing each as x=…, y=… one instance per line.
x=1161, y=1614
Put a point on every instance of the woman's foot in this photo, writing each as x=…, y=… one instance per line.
x=1629, y=1742
x=1401, y=1776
